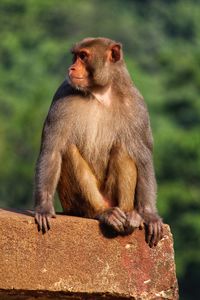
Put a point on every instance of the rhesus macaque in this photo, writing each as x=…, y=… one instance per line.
x=96, y=146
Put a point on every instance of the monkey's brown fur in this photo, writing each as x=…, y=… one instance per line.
x=96, y=146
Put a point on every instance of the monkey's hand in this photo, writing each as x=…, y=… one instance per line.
x=154, y=228
x=42, y=215
x=115, y=218
x=133, y=221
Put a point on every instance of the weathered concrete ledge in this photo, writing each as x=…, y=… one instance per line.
x=74, y=260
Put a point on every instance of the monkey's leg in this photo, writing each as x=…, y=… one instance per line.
x=120, y=185
x=90, y=190
x=86, y=180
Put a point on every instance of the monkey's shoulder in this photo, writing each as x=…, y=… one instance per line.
x=65, y=90
x=61, y=100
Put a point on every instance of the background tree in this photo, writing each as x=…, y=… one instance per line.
x=161, y=43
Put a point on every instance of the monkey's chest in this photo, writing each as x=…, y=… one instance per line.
x=94, y=135
x=96, y=138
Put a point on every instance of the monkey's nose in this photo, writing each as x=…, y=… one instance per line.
x=71, y=70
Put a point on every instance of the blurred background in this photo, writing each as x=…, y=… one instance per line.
x=161, y=42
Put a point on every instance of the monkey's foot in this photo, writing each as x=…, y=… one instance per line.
x=42, y=217
x=133, y=221
x=115, y=218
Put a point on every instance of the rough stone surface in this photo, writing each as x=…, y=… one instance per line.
x=75, y=260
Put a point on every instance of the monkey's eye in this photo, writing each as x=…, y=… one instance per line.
x=83, y=55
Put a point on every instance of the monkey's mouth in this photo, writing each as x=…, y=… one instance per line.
x=76, y=78
x=78, y=82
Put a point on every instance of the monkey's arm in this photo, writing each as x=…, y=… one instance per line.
x=146, y=203
x=146, y=192
x=47, y=173
x=141, y=149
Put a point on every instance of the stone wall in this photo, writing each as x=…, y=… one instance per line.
x=77, y=259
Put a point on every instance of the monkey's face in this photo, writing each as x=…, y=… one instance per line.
x=78, y=73
x=93, y=63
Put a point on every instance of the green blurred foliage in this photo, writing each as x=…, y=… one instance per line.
x=161, y=43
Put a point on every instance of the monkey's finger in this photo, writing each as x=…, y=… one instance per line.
x=118, y=219
x=44, y=224
x=122, y=221
x=149, y=233
x=160, y=227
x=161, y=230
x=119, y=213
x=155, y=237
x=159, y=236
x=116, y=223
x=38, y=220
x=48, y=223
x=118, y=226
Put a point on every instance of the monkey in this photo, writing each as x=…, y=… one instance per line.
x=97, y=146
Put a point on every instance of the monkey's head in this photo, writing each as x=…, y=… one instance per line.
x=95, y=60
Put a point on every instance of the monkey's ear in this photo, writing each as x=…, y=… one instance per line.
x=115, y=52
